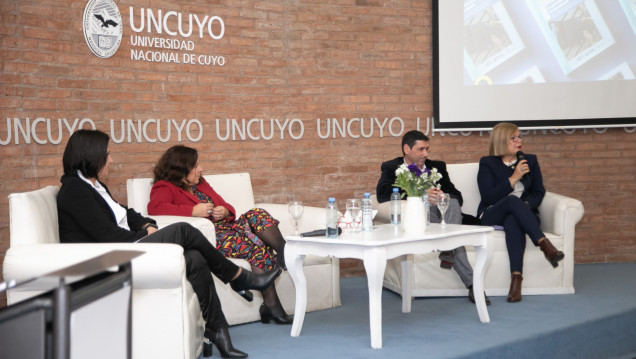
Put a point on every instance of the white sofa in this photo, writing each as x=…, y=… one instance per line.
x=322, y=273
x=167, y=322
x=166, y=317
x=559, y=216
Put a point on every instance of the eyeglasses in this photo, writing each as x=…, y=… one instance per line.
x=516, y=138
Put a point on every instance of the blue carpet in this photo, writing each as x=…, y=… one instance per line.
x=599, y=321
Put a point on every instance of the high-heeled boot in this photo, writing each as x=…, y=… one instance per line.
x=221, y=339
x=272, y=309
x=514, y=295
x=273, y=238
x=277, y=314
x=248, y=280
x=552, y=254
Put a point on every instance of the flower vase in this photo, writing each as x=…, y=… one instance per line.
x=414, y=215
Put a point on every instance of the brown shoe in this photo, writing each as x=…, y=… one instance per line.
x=552, y=254
x=514, y=295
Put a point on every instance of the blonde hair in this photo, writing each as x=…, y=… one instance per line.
x=499, y=138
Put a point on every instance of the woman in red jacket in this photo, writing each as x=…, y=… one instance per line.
x=180, y=190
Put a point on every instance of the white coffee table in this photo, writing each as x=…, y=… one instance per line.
x=375, y=248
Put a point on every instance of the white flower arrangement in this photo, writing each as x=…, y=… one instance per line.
x=414, y=181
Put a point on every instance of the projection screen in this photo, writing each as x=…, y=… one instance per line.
x=542, y=64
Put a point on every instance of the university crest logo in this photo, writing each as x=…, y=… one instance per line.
x=102, y=27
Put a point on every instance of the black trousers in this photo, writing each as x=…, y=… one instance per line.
x=201, y=258
x=517, y=219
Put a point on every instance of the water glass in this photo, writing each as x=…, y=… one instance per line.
x=353, y=217
x=296, y=209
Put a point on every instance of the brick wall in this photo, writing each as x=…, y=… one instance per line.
x=304, y=60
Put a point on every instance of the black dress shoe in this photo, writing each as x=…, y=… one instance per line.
x=278, y=315
x=221, y=338
x=447, y=259
x=248, y=280
x=471, y=296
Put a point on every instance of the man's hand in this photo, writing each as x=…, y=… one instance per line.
x=432, y=195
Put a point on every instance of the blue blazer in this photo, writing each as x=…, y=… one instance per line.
x=494, y=185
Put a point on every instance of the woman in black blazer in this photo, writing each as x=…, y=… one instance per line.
x=88, y=213
x=511, y=188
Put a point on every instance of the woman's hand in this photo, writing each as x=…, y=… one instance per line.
x=521, y=169
x=151, y=230
x=219, y=212
x=202, y=210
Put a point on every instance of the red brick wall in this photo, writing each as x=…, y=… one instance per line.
x=306, y=60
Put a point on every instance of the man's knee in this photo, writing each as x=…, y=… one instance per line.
x=454, y=214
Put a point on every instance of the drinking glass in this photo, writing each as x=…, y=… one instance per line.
x=443, y=200
x=354, y=207
x=295, y=214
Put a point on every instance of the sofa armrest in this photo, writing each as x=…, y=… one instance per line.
x=559, y=213
x=203, y=224
x=313, y=217
x=161, y=266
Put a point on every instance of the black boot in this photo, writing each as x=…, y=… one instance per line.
x=221, y=338
x=278, y=315
x=273, y=238
x=248, y=280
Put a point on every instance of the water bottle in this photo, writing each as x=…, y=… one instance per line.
x=332, y=218
x=427, y=208
x=367, y=213
x=396, y=206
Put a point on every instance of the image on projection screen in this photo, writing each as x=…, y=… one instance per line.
x=561, y=36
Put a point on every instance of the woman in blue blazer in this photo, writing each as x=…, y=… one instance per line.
x=511, y=189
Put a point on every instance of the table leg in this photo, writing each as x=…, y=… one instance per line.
x=482, y=254
x=294, y=263
x=374, y=265
x=406, y=263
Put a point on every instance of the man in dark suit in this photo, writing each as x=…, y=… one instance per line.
x=415, y=146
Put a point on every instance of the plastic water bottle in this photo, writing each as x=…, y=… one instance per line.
x=332, y=219
x=396, y=206
x=367, y=213
x=427, y=208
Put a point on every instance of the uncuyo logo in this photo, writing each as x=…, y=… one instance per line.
x=102, y=27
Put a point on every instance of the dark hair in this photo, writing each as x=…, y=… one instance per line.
x=86, y=151
x=411, y=137
x=175, y=164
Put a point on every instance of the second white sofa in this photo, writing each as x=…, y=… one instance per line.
x=559, y=216
x=323, y=274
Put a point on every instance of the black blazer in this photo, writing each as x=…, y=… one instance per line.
x=494, y=185
x=384, y=189
x=84, y=216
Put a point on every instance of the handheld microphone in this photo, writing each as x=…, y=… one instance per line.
x=521, y=157
x=318, y=233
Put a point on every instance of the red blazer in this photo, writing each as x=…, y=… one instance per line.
x=168, y=199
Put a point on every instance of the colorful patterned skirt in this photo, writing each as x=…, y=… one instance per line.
x=239, y=238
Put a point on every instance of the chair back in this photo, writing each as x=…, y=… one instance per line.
x=235, y=188
x=138, y=193
x=464, y=177
x=33, y=217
